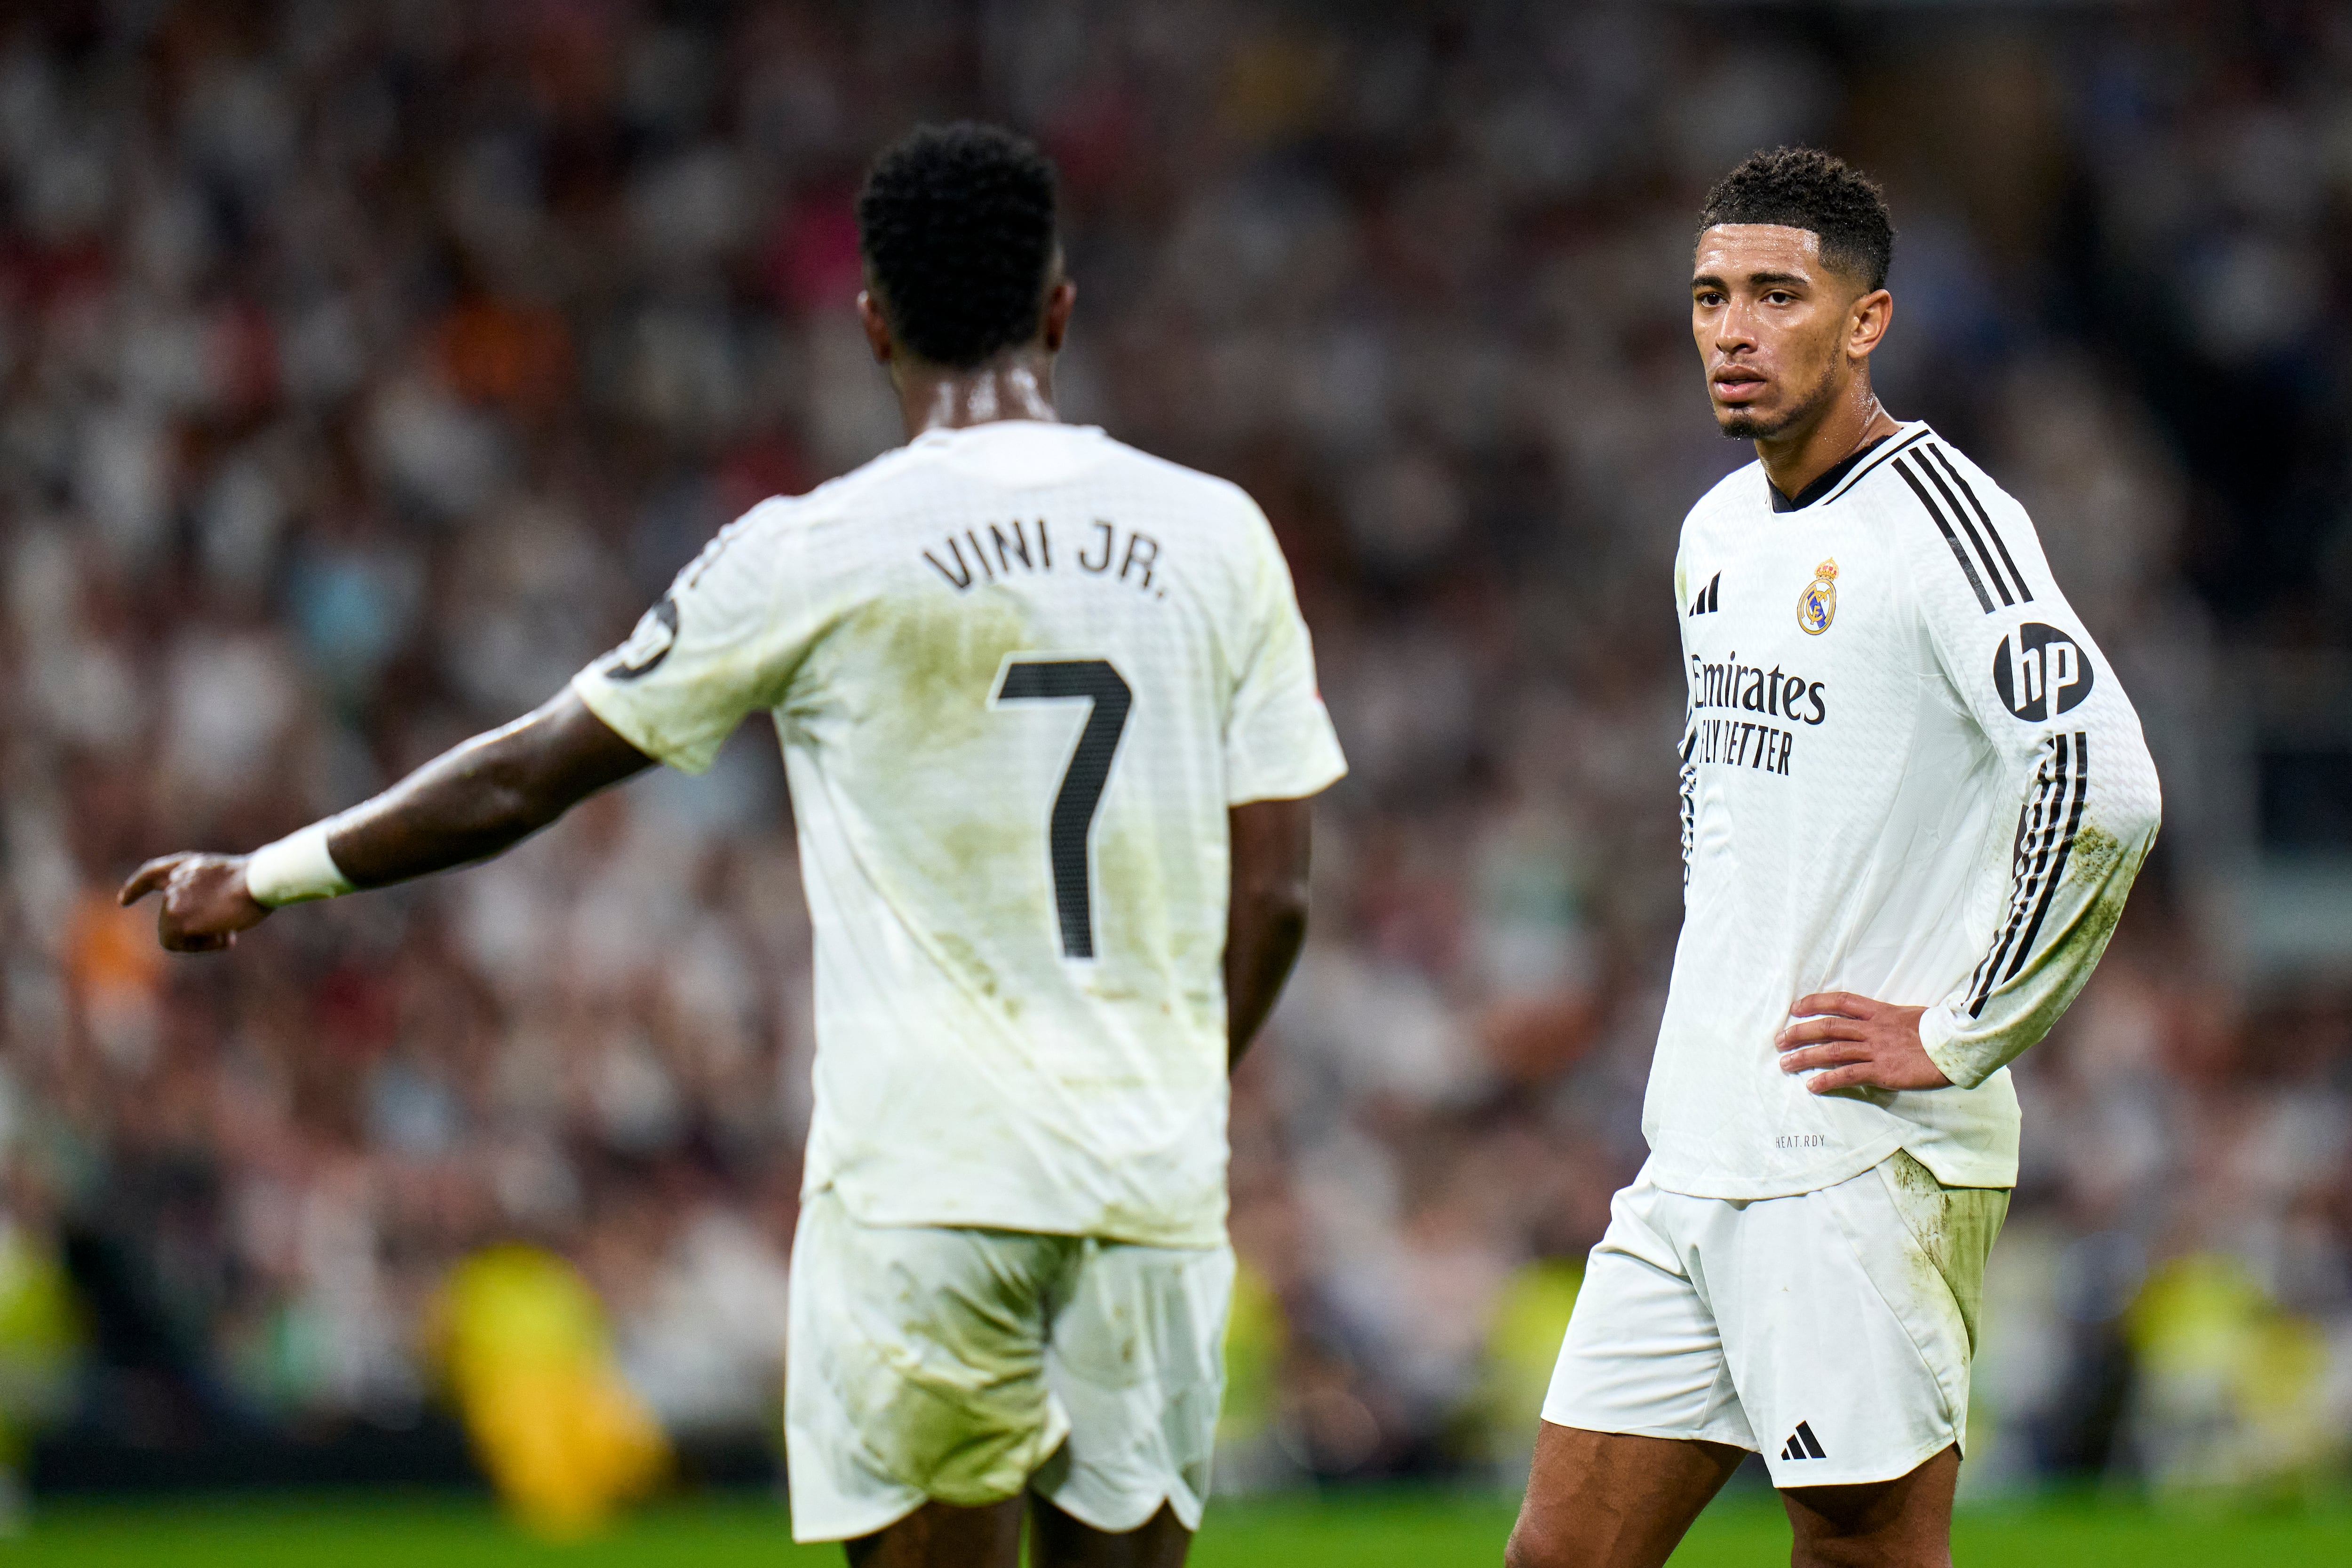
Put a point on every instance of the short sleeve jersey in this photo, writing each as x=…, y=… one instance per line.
x=1907, y=773
x=1020, y=672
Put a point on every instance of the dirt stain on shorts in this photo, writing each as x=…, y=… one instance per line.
x=1954, y=1227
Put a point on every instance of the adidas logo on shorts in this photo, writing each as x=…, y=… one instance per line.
x=1802, y=1444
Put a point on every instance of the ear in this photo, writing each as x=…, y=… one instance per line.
x=877, y=327
x=1866, y=323
x=1058, y=306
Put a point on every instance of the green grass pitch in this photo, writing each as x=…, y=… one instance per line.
x=1372, y=1530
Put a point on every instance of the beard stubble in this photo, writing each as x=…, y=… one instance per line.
x=1746, y=427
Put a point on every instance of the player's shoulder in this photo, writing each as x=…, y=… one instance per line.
x=787, y=526
x=1217, y=521
x=1193, y=487
x=1920, y=474
x=855, y=493
x=1953, y=518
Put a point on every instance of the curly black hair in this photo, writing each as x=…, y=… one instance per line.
x=1804, y=188
x=956, y=224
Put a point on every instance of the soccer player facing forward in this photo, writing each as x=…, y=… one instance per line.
x=1050, y=722
x=1913, y=798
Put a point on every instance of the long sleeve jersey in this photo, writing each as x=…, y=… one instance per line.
x=1907, y=773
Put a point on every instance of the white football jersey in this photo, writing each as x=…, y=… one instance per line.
x=1020, y=671
x=1907, y=773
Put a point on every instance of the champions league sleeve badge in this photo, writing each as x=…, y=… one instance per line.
x=647, y=646
x=1817, y=606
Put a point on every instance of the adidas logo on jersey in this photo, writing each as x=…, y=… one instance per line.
x=1802, y=1444
x=1710, y=598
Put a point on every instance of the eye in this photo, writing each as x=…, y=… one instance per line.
x=1779, y=297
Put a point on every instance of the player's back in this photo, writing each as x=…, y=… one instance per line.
x=1020, y=671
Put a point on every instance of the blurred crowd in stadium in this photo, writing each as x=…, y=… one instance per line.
x=365, y=369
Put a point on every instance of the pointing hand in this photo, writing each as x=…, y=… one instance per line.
x=206, y=903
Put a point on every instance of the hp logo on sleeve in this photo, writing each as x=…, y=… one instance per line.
x=2040, y=672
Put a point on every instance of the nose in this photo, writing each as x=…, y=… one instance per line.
x=1735, y=328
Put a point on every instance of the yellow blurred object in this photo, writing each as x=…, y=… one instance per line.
x=2232, y=1390
x=528, y=1357
x=40, y=1336
x=1522, y=1347
x=1255, y=1337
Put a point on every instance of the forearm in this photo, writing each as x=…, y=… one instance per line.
x=481, y=796
x=465, y=805
x=2082, y=838
x=468, y=803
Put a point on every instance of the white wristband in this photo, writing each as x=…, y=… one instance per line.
x=295, y=869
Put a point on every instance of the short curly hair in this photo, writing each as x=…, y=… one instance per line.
x=956, y=224
x=1804, y=188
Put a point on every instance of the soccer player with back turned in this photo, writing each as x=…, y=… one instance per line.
x=1913, y=798
x=1050, y=720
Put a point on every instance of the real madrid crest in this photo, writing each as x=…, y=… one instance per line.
x=1817, y=606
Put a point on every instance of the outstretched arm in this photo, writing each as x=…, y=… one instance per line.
x=1265, y=923
x=466, y=804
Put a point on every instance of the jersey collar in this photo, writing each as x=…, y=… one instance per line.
x=945, y=434
x=1841, y=476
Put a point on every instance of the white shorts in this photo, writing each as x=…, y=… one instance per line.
x=1832, y=1331
x=972, y=1365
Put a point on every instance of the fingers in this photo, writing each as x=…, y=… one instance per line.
x=1848, y=1042
x=179, y=934
x=1837, y=1053
x=1845, y=1004
x=149, y=878
x=1862, y=1075
x=1820, y=1029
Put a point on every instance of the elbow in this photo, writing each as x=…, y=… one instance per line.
x=2134, y=810
x=1269, y=864
x=1278, y=907
x=1290, y=924
x=2147, y=813
x=1285, y=904
x=2132, y=827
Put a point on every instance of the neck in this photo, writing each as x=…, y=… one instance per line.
x=1795, y=457
x=1018, y=387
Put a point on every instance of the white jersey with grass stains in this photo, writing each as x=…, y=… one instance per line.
x=1020, y=671
x=1907, y=773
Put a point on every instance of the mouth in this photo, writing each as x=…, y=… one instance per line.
x=1737, y=386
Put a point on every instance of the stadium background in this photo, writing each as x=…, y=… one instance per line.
x=365, y=368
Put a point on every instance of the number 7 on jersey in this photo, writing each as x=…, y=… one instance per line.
x=1072, y=824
